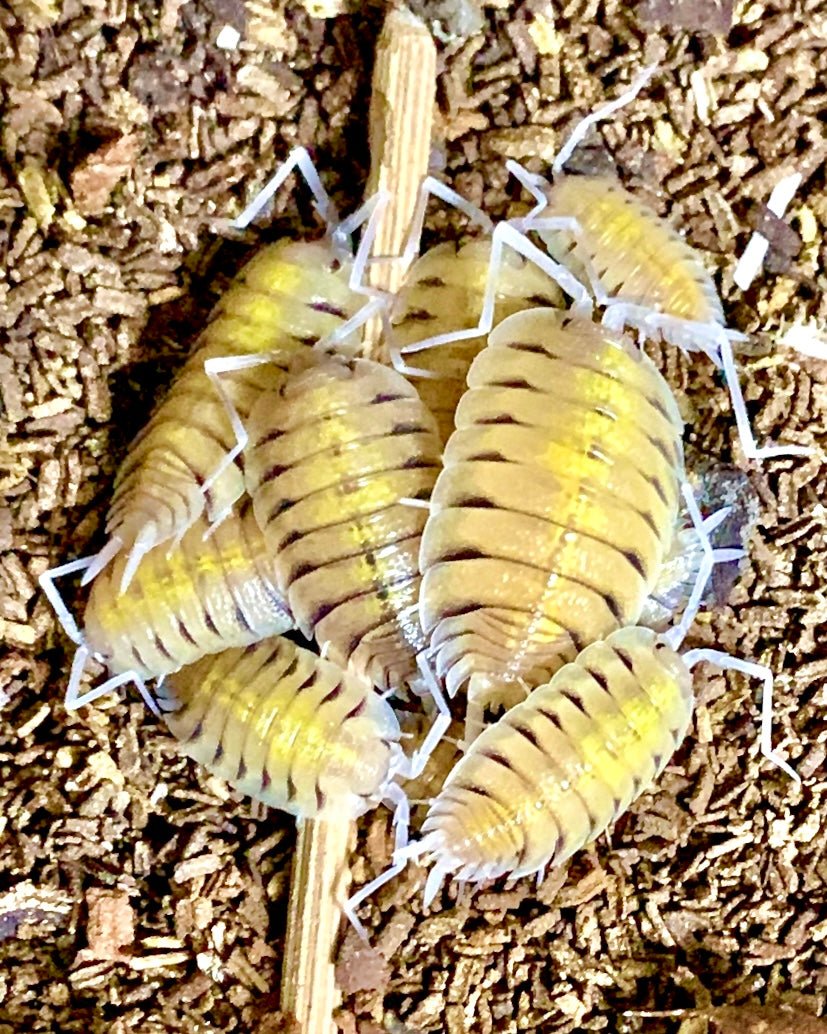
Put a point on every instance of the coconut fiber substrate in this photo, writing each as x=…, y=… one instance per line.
x=139, y=894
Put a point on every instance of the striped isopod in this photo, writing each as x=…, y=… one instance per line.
x=286, y=727
x=444, y=291
x=206, y=594
x=557, y=769
x=293, y=295
x=289, y=296
x=557, y=503
x=639, y=266
x=333, y=454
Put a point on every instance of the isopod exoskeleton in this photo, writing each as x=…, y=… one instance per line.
x=639, y=266
x=291, y=296
x=206, y=594
x=333, y=456
x=444, y=291
x=288, y=297
x=557, y=769
x=557, y=503
x=285, y=727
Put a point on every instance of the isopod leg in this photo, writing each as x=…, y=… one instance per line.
x=73, y=700
x=599, y=115
x=429, y=188
x=751, y=449
x=214, y=368
x=300, y=161
x=47, y=584
x=676, y=635
x=759, y=671
x=372, y=212
x=432, y=187
x=504, y=236
x=394, y=796
x=442, y=720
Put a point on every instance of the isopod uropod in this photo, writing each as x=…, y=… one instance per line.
x=205, y=595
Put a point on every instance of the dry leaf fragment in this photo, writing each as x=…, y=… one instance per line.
x=110, y=928
x=94, y=179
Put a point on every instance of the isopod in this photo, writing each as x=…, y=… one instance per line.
x=332, y=456
x=638, y=266
x=206, y=594
x=557, y=769
x=295, y=731
x=444, y=291
x=293, y=295
x=556, y=506
x=284, y=726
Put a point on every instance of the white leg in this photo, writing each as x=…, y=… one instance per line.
x=432, y=187
x=47, y=584
x=74, y=701
x=598, y=115
x=504, y=235
x=417, y=762
x=507, y=235
x=751, y=450
x=396, y=799
x=534, y=184
x=102, y=558
x=300, y=161
x=676, y=635
x=214, y=368
x=759, y=671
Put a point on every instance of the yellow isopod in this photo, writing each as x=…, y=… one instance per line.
x=288, y=297
x=556, y=507
x=638, y=266
x=555, y=771
x=444, y=291
x=285, y=727
x=333, y=456
x=205, y=595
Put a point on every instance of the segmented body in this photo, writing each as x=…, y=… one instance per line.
x=205, y=595
x=636, y=255
x=285, y=727
x=558, y=768
x=557, y=503
x=290, y=295
x=443, y=292
x=332, y=455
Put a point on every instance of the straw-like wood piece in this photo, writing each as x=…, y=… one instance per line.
x=401, y=119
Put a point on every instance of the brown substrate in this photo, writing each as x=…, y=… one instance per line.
x=135, y=892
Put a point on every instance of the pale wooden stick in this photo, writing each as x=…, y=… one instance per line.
x=401, y=120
